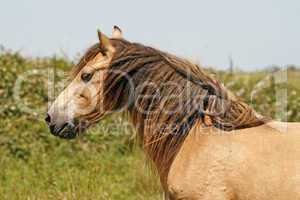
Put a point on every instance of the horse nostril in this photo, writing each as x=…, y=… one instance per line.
x=48, y=119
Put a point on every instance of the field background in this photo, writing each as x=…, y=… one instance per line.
x=105, y=163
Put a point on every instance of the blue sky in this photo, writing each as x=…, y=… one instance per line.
x=255, y=33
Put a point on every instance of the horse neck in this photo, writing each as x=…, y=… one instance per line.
x=161, y=160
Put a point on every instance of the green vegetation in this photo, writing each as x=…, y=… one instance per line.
x=103, y=163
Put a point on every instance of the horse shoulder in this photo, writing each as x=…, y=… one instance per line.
x=199, y=169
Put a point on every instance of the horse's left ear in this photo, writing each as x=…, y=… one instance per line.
x=117, y=32
x=105, y=43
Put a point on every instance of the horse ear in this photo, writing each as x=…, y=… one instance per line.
x=105, y=43
x=117, y=32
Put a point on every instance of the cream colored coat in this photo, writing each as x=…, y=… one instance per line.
x=260, y=163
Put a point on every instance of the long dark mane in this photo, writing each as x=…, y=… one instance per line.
x=165, y=96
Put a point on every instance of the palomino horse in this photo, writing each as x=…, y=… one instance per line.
x=205, y=143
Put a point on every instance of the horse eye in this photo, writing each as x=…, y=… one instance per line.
x=86, y=77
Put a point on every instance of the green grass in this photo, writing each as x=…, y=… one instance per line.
x=69, y=174
x=35, y=165
x=105, y=163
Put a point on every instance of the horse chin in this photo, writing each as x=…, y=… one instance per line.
x=73, y=130
x=68, y=134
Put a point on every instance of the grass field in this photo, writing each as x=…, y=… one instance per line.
x=105, y=163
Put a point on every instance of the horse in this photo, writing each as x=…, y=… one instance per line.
x=204, y=142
